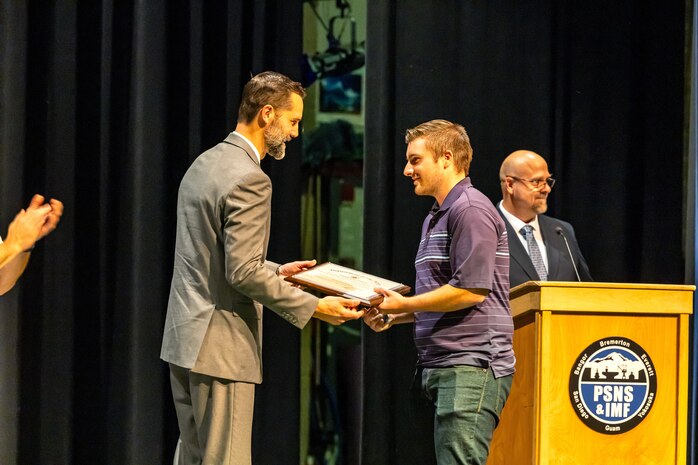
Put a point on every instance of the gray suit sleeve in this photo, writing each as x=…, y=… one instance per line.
x=245, y=228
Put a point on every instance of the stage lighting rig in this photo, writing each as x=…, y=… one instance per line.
x=336, y=60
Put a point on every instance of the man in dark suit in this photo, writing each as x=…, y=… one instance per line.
x=222, y=278
x=537, y=247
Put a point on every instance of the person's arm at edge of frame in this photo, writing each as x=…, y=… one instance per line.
x=28, y=227
x=13, y=261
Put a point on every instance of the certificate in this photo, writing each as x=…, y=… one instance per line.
x=334, y=279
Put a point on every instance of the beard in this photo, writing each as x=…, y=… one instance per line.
x=275, y=140
x=540, y=206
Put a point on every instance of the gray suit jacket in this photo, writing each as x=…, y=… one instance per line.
x=560, y=267
x=221, y=277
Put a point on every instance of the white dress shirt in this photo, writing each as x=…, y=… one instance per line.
x=517, y=224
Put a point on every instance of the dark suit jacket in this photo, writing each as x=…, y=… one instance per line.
x=559, y=264
x=221, y=276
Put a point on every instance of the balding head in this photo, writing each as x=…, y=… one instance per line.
x=519, y=162
x=518, y=176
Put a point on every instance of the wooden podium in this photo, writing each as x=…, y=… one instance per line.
x=556, y=324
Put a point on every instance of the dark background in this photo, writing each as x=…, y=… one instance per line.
x=105, y=104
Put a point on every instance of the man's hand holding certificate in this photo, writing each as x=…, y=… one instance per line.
x=333, y=279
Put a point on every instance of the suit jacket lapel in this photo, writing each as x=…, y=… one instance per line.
x=552, y=246
x=242, y=144
x=518, y=253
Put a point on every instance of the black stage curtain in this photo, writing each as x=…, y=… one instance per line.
x=595, y=87
x=104, y=105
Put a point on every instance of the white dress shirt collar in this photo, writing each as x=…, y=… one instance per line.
x=517, y=224
x=254, y=149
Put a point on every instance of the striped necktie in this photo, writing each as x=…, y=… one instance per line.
x=534, y=252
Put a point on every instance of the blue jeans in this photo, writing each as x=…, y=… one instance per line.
x=467, y=402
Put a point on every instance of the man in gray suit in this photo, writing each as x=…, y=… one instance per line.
x=222, y=278
x=538, y=244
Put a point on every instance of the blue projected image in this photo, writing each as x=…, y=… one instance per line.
x=341, y=94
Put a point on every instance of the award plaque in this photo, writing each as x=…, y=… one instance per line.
x=332, y=279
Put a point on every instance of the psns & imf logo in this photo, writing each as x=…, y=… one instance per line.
x=613, y=385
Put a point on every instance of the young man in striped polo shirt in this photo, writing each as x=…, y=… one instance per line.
x=463, y=325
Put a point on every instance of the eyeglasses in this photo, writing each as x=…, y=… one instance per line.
x=536, y=183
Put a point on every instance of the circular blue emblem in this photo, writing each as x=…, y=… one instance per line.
x=613, y=385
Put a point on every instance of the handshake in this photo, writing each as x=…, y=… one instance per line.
x=377, y=318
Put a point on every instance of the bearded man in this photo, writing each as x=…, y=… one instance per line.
x=222, y=279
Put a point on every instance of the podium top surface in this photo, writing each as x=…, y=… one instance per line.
x=601, y=297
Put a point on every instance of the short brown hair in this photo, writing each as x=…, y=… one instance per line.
x=267, y=88
x=439, y=136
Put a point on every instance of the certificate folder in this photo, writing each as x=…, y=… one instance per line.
x=332, y=279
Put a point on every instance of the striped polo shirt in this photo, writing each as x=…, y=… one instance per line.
x=464, y=244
